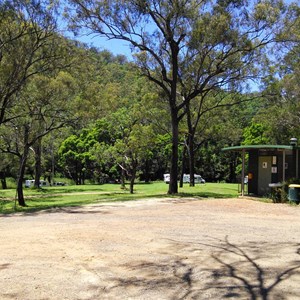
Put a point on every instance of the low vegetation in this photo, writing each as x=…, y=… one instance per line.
x=68, y=196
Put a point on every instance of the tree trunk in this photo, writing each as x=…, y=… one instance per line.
x=134, y=166
x=3, y=180
x=190, y=145
x=3, y=183
x=38, y=163
x=22, y=167
x=182, y=166
x=52, y=176
x=191, y=159
x=23, y=160
x=173, y=185
x=232, y=168
x=132, y=179
x=122, y=178
x=82, y=177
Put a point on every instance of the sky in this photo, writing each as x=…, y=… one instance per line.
x=114, y=46
x=102, y=43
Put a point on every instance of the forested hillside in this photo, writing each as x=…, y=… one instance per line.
x=203, y=77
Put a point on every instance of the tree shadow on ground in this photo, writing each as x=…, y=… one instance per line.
x=146, y=279
x=207, y=195
x=242, y=266
x=230, y=271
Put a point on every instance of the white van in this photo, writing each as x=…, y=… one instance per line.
x=166, y=178
x=186, y=178
x=197, y=178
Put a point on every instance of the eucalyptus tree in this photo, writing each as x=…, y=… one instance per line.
x=44, y=106
x=289, y=71
x=280, y=114
x=125, y=141
x=28, y=46
x=105, y=83
x=185, y=47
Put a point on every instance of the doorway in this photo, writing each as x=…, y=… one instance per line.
x=264, y=174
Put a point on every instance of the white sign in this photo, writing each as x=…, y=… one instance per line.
x=274, y=170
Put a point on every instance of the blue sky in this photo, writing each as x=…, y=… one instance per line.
x=93, y=40
x=102, y=43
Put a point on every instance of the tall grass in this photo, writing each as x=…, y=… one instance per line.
x=64, y=196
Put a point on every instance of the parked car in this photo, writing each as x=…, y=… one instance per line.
x=30, y=183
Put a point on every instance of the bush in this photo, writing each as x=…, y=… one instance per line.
x=280, y=194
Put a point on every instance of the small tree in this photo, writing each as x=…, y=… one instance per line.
x=75, y=156
x=130, y=151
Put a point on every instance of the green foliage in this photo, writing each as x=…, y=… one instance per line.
x=29, y=46
x=187, y=49
x=117, y=118
x=255, y=134
x=75, y=156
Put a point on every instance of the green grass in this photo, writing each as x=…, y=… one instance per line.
x=67, y=196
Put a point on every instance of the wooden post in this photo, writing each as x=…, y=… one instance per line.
x=283, y=167
x=297, y=161
x=243, y=173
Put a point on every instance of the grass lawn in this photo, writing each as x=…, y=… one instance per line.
x=64, y=196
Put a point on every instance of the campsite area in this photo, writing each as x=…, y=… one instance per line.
x=100, y=101
x=164, y=248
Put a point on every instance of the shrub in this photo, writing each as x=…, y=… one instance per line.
x=280, y=194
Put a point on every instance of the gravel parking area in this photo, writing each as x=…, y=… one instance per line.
x=153, y=249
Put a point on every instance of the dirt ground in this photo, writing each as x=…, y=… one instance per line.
x=153, y=249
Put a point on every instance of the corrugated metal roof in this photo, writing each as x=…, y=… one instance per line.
x=249, y=147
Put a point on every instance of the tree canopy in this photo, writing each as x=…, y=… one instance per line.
x=187, y=48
